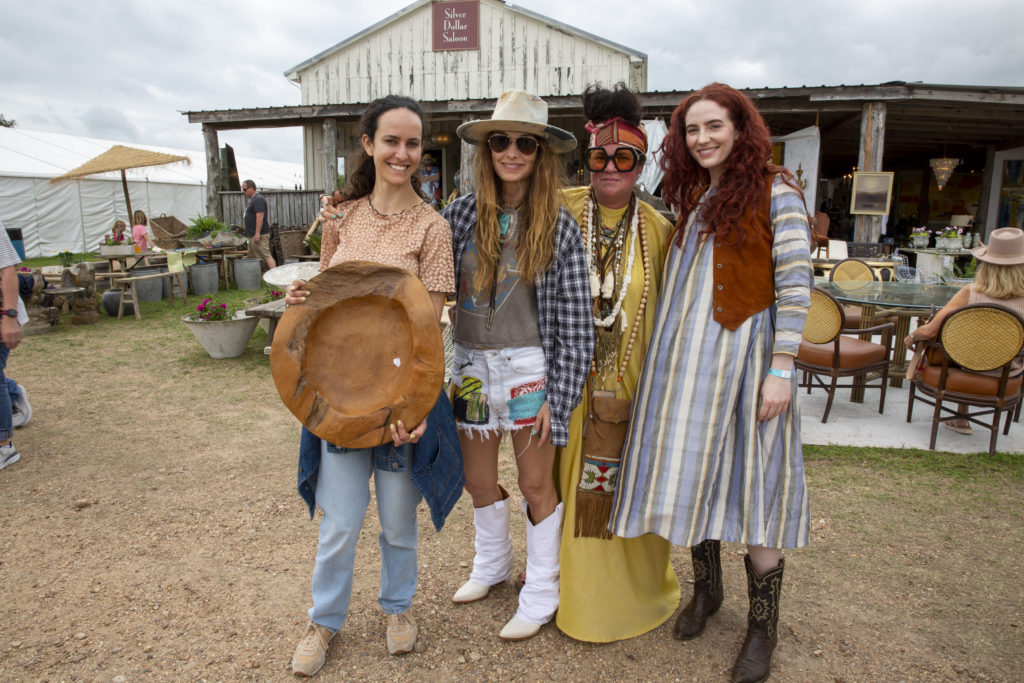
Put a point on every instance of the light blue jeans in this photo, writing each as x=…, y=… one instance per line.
x=9, y=393
x=343, y=493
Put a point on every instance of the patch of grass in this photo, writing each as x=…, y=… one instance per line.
x=911, y=461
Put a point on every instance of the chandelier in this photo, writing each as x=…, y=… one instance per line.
x=943, y=167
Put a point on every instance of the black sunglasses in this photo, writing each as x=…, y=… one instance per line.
x=625, y=159
x=526, y=144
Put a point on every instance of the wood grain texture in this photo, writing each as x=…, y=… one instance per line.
x=363, y=352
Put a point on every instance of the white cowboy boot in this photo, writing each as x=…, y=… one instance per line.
x=494, y=558
x=539, y=598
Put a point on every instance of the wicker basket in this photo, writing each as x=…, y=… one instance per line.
x=167, y=231
x=291, y=243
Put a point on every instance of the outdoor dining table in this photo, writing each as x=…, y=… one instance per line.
x=899, y=300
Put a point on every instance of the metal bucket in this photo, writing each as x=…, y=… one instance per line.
x=247, y=273
x=204, y=278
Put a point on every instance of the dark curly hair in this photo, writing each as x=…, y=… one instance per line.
x=360, y=182
x=601, y=104
x=745, y=172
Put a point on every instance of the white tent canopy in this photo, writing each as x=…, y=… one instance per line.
x=74, y=215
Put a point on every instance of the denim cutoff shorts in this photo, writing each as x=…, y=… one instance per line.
x=497, y=389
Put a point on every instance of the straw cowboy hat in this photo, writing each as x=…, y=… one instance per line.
x=1005, y=247
x=362, y=353
x=519, y=111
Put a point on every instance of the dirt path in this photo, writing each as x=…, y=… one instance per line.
x=152, y=532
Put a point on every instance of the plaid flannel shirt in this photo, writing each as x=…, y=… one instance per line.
x=563, y=308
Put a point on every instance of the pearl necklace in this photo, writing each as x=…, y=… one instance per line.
x=638, y=227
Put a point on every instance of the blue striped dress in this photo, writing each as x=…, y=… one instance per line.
x=697, y=464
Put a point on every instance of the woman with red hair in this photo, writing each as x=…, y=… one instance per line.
x=713, y=451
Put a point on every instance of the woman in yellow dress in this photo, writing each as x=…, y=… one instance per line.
x=612, y=588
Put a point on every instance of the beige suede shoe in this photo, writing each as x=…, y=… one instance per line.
x=311, y=651
x=402, y=633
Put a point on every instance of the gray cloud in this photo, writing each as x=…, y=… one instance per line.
x=120, y=68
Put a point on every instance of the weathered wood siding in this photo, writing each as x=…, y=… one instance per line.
x=287, y=208
x=516, y=51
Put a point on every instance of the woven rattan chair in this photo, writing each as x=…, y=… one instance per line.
x=978, y=338
x=824, y=350
x=865, y=249
x=852, y=270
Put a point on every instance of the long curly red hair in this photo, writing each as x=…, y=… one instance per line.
x=745, y=172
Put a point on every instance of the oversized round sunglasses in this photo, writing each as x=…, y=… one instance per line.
x=625, y=159
x=526, y=144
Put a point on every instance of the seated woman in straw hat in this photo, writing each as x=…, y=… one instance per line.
x=998, y=280
x=523, y=343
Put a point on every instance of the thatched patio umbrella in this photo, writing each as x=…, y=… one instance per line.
x=119, y=158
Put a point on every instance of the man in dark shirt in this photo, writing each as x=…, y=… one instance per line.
x=257, y=224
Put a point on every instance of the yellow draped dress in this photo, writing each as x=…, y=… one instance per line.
x=621, y=587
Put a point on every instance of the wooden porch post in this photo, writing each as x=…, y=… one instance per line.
x=330, y=154
x=872, y=143
x=213, y=207
x=466, y=177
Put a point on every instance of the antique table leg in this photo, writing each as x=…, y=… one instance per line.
x=867, y=319
x=898, y=367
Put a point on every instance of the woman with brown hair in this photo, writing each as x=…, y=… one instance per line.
x=713, y=451
x=523, y=343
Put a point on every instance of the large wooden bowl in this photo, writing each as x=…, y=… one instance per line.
x=362, y=352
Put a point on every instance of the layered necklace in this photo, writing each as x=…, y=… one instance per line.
x=610, y=275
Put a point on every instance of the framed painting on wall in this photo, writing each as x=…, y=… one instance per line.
x=871, y=193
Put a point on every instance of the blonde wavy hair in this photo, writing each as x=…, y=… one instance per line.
x=998, y=281
x=535, y=244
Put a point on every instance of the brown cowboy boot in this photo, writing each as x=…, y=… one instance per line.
x=755, y=659
x=707, y=590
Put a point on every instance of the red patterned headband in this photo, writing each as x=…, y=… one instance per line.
x=617, y=131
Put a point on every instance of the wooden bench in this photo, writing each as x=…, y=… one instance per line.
x=129, y=295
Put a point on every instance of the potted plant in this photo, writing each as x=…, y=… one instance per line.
x=116, y=245
x=950, y=237
x=919, y=237
x=202, y=229
x=222, y=330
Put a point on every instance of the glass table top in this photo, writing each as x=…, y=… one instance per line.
x=891, y=294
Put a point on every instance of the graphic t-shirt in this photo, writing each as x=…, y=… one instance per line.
x=513, y=319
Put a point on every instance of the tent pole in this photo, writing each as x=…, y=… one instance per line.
x=127, y=198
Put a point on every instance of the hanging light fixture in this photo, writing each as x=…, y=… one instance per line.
x=441, y=138
x=943, y=167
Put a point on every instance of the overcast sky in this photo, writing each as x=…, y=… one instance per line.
x=124, y=69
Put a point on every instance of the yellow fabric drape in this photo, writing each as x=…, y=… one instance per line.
x=617, y=588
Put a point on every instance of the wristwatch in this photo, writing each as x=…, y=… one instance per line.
x=12, y=312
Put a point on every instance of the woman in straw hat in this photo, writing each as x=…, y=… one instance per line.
x=612, y=588
x=999, y=279
x=383, y=219
x=713, y=451
x=523, y=342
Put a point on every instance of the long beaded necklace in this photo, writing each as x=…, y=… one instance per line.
x=637, y=234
